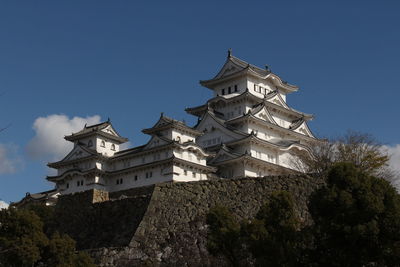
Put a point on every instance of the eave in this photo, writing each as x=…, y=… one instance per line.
x=62, y=163
x=173, y=125
x=74, y=137
x=250, y=117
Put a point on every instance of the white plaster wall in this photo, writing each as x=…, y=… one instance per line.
x=241, y=84
x=73, y=187
x=106, y=150
x=216, y=135
x=253, y=171
x=263, y=132
x=259, y=82
x=183, y=137
x=159, y=174
x=185, y=174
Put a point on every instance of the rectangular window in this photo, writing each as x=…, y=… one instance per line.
x=136, y=177
x=151, y=174
x=236, y=89
x=121, y=181
x=229, y=90
x=255, y=88
x=67, y=185
x=117, y=182
x=184, y=172
x=78, y=183
x=194, y=175
x=223, y=91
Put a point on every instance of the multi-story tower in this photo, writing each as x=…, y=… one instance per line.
x=248, y=123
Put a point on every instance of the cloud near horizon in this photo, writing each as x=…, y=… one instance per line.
x=48, y=144
x=394, y=161
x=10, y=161
x=3, y=205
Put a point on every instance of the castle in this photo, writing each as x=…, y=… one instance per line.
x=245, y=130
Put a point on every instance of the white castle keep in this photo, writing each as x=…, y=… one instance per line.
x=245, y=130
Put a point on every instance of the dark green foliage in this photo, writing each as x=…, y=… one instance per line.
x=24, y=243
x=357, y=220
x=224, y=234
x=22, y=240
x=273, y=235
x=47, y=216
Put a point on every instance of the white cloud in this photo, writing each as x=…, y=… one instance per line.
x=394, y=162
x=394, y=153
x=3, y=205
x=10, y=162
x=48, y=144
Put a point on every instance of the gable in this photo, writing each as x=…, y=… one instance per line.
x=278, y=101
x=154, y=142
x=110, y=130
x=222, y=155
x=213, y=128
x=228, y=69
x=76, y=153
x=161, y=122
x=303, y=129
x=265, y=115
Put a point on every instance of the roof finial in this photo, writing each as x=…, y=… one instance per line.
x=229, y=52
x=108, y=119
x=267, y=67
x=85, y=125
x=162, y=114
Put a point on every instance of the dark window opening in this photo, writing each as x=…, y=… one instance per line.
x=236, y=88
x=223, y=91
x=229, y=90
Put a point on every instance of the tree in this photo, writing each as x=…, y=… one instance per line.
x=362, y=150
x=22, y=240
x=273, y=235
x=357, y=220
x=271, y=238
x=224, y=234
x=24, y=243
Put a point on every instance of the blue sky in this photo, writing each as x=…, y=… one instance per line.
x=130, y=61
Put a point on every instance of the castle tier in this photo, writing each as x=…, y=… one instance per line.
x=245, y=130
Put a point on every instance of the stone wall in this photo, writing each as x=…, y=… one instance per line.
x=165, y=224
